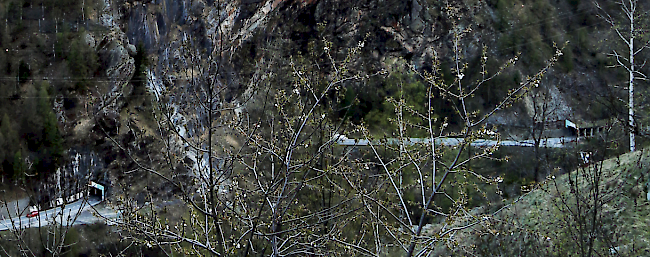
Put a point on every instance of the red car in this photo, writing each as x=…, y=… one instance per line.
x=32, y=214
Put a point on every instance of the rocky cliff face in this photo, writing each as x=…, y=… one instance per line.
x=416, y=30
x=403, y=28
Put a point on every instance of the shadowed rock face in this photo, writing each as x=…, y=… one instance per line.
x=119, y=68
x=118, y=61
x=149, y=24
x=140, y=29
x=156, y=24
x=149, y=27
x=253, y=27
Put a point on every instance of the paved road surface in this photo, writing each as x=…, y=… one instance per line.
x=13, y=208
x=559, y=142
x=65, y=216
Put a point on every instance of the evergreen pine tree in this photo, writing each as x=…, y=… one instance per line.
x=51, y=145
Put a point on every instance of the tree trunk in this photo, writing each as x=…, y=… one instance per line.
x=631, y=87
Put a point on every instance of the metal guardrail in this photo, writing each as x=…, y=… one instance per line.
x=560, y=142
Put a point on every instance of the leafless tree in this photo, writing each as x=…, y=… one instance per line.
x=249, y=174
x=629, y=29
x=587, y=198
x=543, y=111
x=421, y=175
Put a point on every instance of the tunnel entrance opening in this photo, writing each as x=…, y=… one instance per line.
x=97, y=190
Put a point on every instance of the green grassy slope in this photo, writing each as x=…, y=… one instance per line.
x=567, y=216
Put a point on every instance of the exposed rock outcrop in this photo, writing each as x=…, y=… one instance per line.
x=119, y=64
